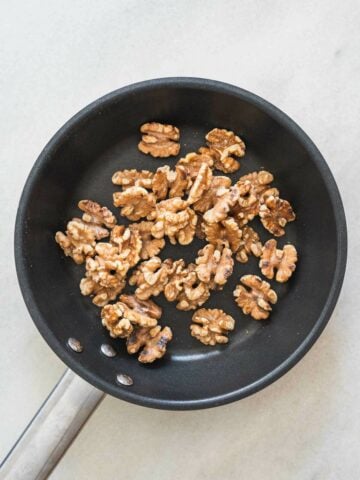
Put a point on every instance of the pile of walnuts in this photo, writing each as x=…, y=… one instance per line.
x=178, y=204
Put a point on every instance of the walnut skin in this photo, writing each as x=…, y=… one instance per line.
x=214, y=265
x=146, y=307
x=201, y=184
x=284, y=261
x=154, y=340
x=176, y=281
x=249, y=245
x=132, y=178
x=256, y=298
x=175, y=219
x=227, y=232
x=224, y=143
x=211, y=326
x=159, y=140
x=136, y=202
x=150, y=246
x=275, y=213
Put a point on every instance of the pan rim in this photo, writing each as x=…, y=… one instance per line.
x=340, y=221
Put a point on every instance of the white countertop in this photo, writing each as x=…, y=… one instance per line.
x=303, y=56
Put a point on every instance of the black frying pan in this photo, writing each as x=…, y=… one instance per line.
x=78, y=163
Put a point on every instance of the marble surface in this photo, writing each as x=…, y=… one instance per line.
x=303, y=56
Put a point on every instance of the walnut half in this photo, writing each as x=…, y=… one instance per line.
x=272, y=258
x=153, y=340
x=211, y=326
x=159, y=140
x=255, y=296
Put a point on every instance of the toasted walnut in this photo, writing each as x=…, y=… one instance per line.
x=214, y=265
x=159, y=140
x=211, y=326
x=192, y=162
x=175, y=219
x=201, y=184
x=150, y=246
x=119, y=318
x=208, y=198
x=227, y=232
x=175, y=182
x=176, y=280
x=104, y=277
x=96, y=214
x=131, y=178
x=249, y=245
x=79, y=240
x=226, y=199
x=151, y=277
x=136, y=202
x=252, y=188
x=154, y=340
x=256, y=298
x=275, y=213
x=284, y=261
x=224, y=144
x=129, y=244
x=195, y=292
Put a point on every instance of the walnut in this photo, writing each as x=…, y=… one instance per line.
x=175, y=284
x=136, y=202
x=129, y=243
x=284, y=261
x=275, y=213
x=105, y=273
x=96, y=214
x=151, y=277
x=208, y=198
x=159, y=140
x=214, y=265
x=131, y=178
x=249, y=245
x=195, y=292
x=211, y=326
x=192, y=162
x=201, y=184
x=252, y=188
x=223, y=144
x=150, y=246
x=256, y=298
x=227, y=232
x=79, y=240
x=175, y=219
x=225, y=201
x=154, y=340
x=119, y=318
x=175, y=182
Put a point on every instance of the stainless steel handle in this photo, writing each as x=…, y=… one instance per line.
x=51, y=431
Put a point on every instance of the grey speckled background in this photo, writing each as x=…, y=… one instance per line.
x=303, y=56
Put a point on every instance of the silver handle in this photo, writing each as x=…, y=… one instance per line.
x=51, y=431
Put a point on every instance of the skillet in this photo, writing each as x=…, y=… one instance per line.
x=78, y=163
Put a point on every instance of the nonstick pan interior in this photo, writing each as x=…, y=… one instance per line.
x=79, y=162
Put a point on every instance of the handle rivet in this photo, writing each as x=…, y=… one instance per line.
x=107, y=350
x=124, y=379
x=75, y=345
